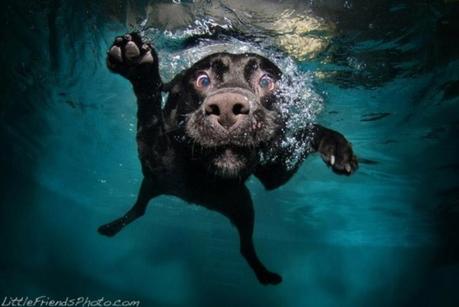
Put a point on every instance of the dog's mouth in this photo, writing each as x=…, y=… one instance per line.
x=230, y=161
x=259, y=128
x=228, y=154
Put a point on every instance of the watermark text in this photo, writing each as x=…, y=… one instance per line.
x=45, y=301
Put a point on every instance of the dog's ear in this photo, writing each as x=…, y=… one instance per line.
x=178, y=96
x=174, y=86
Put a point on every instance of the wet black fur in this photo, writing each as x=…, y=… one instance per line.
x=175, y=163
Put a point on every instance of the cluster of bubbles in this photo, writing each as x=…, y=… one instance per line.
x=300, y=103
x=299, y=107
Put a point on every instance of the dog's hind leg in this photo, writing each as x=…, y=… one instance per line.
x=146, y=193
x=239, y=209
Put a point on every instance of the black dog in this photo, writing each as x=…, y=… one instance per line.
x=220, y=123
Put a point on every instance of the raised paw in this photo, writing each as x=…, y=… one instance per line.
x=337, y=152
x=132, y=58
x=269, y=278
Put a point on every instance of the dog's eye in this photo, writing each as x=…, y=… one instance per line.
x=266, y=82
x=203, y=81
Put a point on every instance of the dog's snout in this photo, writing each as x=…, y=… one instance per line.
x=228, y=109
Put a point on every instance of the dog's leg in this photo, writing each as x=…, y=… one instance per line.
x=137, y=61
x=145, y=194
x=333, y=147
x=239, y=209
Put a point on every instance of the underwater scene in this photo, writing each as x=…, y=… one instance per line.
x=383, y=73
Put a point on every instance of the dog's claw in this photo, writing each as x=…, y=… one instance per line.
x=337, y=152
x=348, y=168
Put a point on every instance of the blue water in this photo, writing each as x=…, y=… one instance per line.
x=388, y=79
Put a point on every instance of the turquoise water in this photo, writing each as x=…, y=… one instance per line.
x=387, y=77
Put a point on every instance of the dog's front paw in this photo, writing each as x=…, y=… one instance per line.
x=269, y=278
x=337, y=152
x=131, y=58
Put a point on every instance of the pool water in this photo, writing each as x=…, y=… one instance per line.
x=385, y=74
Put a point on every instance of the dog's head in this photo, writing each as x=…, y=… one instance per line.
x=226, y=107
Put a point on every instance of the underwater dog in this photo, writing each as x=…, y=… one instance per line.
x=221, y=124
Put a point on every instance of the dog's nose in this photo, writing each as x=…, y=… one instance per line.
x=228, y=109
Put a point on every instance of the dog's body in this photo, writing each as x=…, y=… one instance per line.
x=220, y=118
